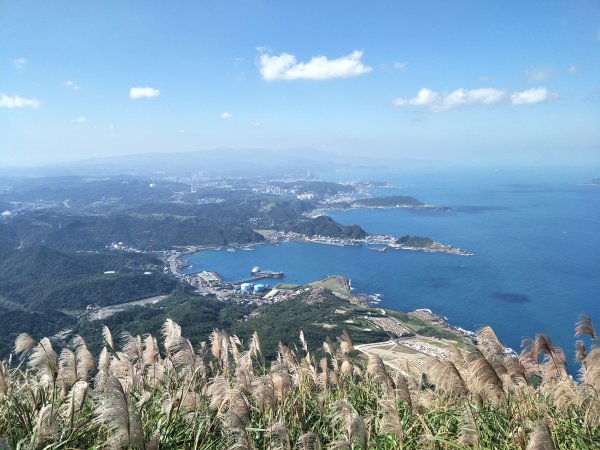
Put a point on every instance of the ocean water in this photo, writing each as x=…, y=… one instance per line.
x=535, y=235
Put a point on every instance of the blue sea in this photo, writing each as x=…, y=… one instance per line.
x=535, y=235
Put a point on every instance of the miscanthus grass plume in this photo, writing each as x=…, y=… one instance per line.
x=224, y=395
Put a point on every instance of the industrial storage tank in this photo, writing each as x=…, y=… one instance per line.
x=259, y=287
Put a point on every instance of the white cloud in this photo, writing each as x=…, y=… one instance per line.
x=533, y=95
x=143, y=92
x=286, y=67
x=17, y=102
x=485, y=78
x=423, y=98
x=400, y=65
x=460, y=97
x=79, y=119
x=226, y=115
x=537, y=74
x=256, y=124
x=71, y=85
x=20, y=63
x=572, y=69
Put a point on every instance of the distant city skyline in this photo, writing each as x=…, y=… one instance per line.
x=466, y=81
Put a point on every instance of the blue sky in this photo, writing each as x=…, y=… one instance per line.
x=464, y=81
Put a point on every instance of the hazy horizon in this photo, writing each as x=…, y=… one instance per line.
x=463, y=83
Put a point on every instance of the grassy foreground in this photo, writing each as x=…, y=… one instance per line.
x=225, y=395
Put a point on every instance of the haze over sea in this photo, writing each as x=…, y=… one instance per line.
x=535, y=235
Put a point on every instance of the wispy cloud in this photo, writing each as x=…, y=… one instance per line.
x=17, y=102
x=79, y=119
x=400, y=65
x=439, y=102
x=572, y=69
x=143, y=92
x=71, y=85
x=537, y=74
x=20, y=63
x=286, y=67
x=226, y=115
x=461, y=97
x=531, y=96
x=255, y=124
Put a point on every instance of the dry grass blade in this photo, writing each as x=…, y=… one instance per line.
x=447, y=378
x=541, y=438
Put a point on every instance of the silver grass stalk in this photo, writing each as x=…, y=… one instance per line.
x=346, y=367
x=346, y=345
x=328, y=347
x=255, y=349
x=43, y=359
x=67, y=369
x=489, y=342
x=216, y=342
x=541, y=438
x=170, y=331
x=309, y=441
x=24, y=343
x=46, y=427
x=281, y=384
x=4, y=382
x=263, y=393
x=150, y=354
x=345, y=417
x=390, y=420
x=447, y=378
x=237, y=435
x=116, y=414
x=86, y=364
x=402, y=390
x=122, y=369
x=107, y=336
x=585, y=326
x=133, y=348
x=280, y=439
x=467, y=434
x=303, y=342
x=218, y=392
x=323, y=378
x=590, y=373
